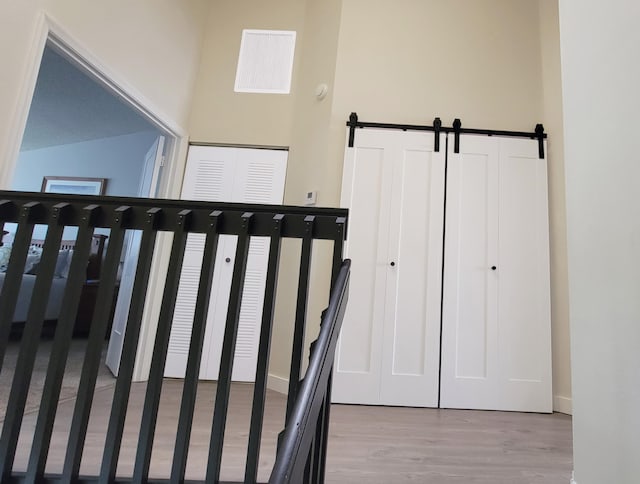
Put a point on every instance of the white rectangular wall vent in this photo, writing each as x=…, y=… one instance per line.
x=265, y=62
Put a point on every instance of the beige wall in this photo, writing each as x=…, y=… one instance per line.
x=407, y=61
x=297, y=120
x=307, y=164
x=223, y=116
x=152, y=46
x=492, y=63
x=552, y=119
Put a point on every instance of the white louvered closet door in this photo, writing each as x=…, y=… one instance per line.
x=237, y=175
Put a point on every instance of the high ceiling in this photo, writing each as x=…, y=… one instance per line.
x=69, y=107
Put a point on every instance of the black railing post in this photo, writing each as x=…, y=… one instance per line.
x=228, y=351
x=192, y=372
x=13, y=276
x=129, y=346
x=61, y=345
x=30, y=337
x=264, y=348
x=156, y=373
x=338, y=247
x=301, y=315
x=95, y=341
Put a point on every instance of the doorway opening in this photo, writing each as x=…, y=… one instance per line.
x=81, y=125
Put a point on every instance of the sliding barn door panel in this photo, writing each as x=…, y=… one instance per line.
x=411, y=346
x=365, y=190
x=495, y=333
x=469, y=305
x=524, y=253
x=388, y=351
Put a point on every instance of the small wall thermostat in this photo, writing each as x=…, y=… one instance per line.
x=310, y=198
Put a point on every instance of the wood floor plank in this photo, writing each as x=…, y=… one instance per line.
x=409, y=445
x=373, y=445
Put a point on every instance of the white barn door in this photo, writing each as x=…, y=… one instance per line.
x=388, y=352
x=496, y=339
x=237, y=175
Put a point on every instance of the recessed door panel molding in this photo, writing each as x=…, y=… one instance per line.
x=524, y=193
x=496, y=343
x=411, y=349
x=365, y=191
x=388, y=349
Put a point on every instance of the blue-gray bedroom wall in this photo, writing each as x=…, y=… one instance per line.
x=120, y=159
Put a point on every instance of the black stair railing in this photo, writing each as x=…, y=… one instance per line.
x=301, y=454
x=302, y=451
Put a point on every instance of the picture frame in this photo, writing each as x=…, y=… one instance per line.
x=74, y=185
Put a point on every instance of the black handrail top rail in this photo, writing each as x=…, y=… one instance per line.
x=136, y=209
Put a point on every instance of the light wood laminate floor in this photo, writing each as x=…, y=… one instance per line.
x=367, y=444
x=373, y=445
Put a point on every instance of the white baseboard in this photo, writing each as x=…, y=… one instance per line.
x=562, y=405
x=278, y=384
x=573, y=481
x=281, y=385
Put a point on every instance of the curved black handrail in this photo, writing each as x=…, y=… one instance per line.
x=294, y=452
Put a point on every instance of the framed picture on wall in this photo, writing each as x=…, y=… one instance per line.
x=74, y=185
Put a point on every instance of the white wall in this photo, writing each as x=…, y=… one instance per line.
x=152, y=47
x=601, y=93
x=120, y=159
x=552, y=120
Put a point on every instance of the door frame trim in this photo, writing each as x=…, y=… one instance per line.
x=48, y=30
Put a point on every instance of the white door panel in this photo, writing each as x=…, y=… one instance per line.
x=469, y=332
x=524, y=276
x=147, y=188
x=495, y=336
x=494, y=281
x=411, y=348
x=366, y=185
x=388, y=348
